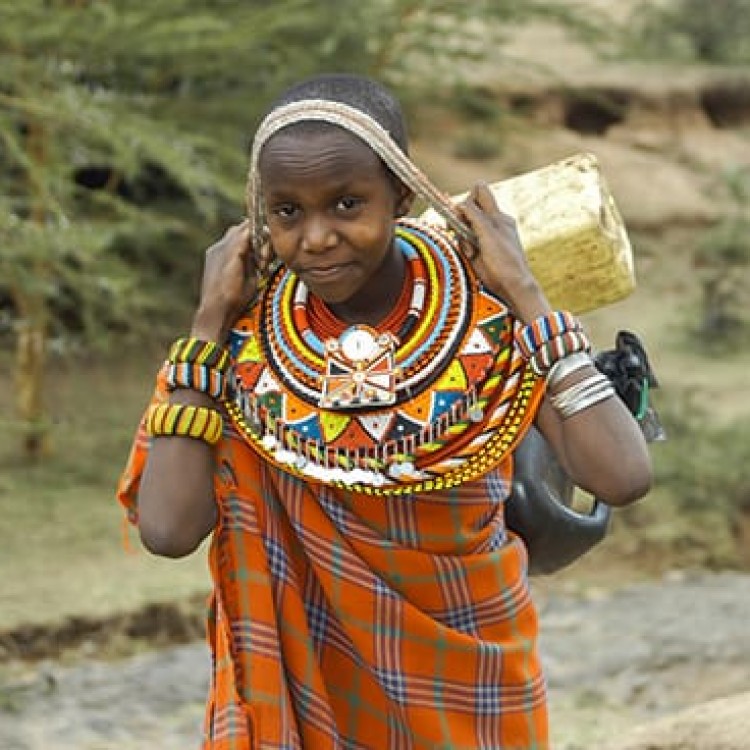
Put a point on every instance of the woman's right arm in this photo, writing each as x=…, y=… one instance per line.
x=176, y=504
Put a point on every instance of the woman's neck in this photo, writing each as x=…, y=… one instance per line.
x=377, y=299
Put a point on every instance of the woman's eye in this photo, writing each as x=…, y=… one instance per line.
x=348, y=203
x=285, y=211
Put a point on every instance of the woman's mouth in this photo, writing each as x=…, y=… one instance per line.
x=324, y=274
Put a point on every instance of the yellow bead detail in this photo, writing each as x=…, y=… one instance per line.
x=184, y=420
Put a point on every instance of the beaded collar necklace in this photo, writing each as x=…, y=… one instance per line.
x=325, y=323
x=408, y=307
x=436, y=319
x=432, y=404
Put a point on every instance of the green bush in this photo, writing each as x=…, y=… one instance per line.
x=478, y=144
x=704, y=466
x=710, y=31
x=476, y=104
x=721, y=260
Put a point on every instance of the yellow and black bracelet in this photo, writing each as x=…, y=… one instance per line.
x=198, y=352
x=198, y=365
x=185, y=420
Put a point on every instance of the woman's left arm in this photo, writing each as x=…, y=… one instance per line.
x=600, y=447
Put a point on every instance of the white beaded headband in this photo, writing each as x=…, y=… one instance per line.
x=365, y=128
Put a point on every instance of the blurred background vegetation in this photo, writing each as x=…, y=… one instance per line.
x=124, y=129
x=124, y=132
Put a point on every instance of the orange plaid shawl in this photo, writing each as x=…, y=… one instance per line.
x=345, y=621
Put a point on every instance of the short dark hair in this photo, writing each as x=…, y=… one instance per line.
x=362, y=93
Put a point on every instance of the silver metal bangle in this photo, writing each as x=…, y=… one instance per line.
x=582, y=395
x=567, y=398
x=578, y=389
x=567, y=366
x=588, y=401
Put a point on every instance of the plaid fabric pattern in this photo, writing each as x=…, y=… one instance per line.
x=344, y=621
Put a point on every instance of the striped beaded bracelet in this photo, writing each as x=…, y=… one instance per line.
x=197, y=352
x=198, y=365
x=198, y=378
x=557, y=348
x=184, y=420
x=531, y=336
x=549, y=338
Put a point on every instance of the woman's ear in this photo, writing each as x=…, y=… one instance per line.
x=404, y=200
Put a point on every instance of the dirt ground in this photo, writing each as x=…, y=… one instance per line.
x=614, y=659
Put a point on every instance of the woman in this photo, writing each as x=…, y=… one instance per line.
x=342, y=420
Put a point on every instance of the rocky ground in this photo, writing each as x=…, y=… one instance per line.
x=615, y=659
x=622, y=659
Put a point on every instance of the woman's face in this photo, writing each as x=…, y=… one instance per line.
x=331, y=206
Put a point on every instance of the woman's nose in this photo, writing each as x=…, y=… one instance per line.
x=318, y=235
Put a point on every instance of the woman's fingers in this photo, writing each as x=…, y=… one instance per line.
x=470, y=250
x=484, y=199
x=471, y=215
x=480, y=204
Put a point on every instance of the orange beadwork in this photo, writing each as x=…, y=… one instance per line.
x=464, y=394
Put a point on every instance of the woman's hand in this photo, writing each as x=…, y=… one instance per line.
x=500, y=261
x=229, y=283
